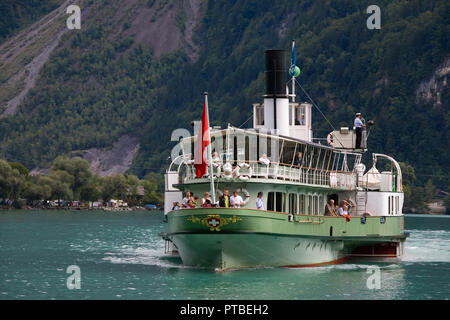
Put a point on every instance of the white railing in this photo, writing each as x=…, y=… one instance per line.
x=279, y=171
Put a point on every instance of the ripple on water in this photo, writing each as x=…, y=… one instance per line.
x=427, y=246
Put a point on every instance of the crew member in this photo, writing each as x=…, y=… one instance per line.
x=359, y=125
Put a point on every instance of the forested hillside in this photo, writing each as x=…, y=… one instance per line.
x=17, y=14
x=107, y=79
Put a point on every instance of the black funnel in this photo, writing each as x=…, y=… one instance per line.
x=275, y=73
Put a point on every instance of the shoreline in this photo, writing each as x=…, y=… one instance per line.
x=65, y=208
x=77, y=209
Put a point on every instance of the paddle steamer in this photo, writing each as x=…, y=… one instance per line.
x=293, y=229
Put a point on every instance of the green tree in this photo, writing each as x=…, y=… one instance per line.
x=12, y=183
x=151, y=193
x=429, y=191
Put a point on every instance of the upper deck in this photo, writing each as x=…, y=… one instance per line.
x=238, y=158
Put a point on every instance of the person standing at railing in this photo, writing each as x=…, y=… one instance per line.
x=359, y=125
x=236, y=200
x=215, y=158
x=224, y=200
x=206, y=201
x=343, y=211
x=329, y=208
x=185, y=201
x=264, y=159
x=298, y=159
x=259, y=201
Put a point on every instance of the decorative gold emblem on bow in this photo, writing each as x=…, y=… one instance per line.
x=214, y=221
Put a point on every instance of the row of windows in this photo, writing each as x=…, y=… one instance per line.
x=297, y=203
x=393, y=205
x=297, y=115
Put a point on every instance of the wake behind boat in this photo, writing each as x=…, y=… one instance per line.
x=286, y=190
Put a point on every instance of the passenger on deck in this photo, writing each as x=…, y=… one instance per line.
x=236, y=200
x=196, y=201
x=175, y=206
x=259, y=201
x=185, y=201
x=224, y=200
x=215, y=157
x=343, y=211
x=329, y=208
x=264, y=159
x=349, y=204
x=298, y=159
x=206, y=201
x=192, y=203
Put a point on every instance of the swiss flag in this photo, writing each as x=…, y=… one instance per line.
x=203, y=140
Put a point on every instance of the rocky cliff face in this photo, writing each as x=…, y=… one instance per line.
x=430, y=91
x=165, y=26
x=22, y=57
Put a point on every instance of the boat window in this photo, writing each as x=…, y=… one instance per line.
x=397, y=203
x=316, y=205
x=247, y=148
x=293, y=203
x=321, y=205
x=270, y=201
x=280, y=201
x=259, y=115
x=309, y=205
x=389, y=205
x=392, y=204
x=291, y=110
x=301, y=208
x=287, y=154
x=300, y=116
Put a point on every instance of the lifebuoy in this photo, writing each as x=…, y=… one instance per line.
x=329, y=136
x=246, y=195
x=246, y=176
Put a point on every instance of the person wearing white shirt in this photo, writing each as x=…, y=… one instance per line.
x=359, y=125
x=236, y=200
x=185, y=201
x=215, y=157
x=264, y=159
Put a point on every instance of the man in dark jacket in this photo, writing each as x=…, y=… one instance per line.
x=224, y=200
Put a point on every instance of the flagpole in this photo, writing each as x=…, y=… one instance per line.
x=293, y=75
x=211, y=176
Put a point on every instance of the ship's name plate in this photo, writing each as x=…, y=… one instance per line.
x=214, y=221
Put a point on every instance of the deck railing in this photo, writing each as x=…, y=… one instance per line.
x=275, y=171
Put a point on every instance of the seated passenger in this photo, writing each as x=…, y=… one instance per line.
x=264, y=159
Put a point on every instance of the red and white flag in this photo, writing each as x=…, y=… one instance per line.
x=203, y=140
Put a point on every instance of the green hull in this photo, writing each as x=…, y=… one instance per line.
x=239, y=238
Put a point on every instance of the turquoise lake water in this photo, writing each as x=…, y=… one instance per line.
x=120, y=257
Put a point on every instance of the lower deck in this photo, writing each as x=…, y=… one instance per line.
x=229, y=238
